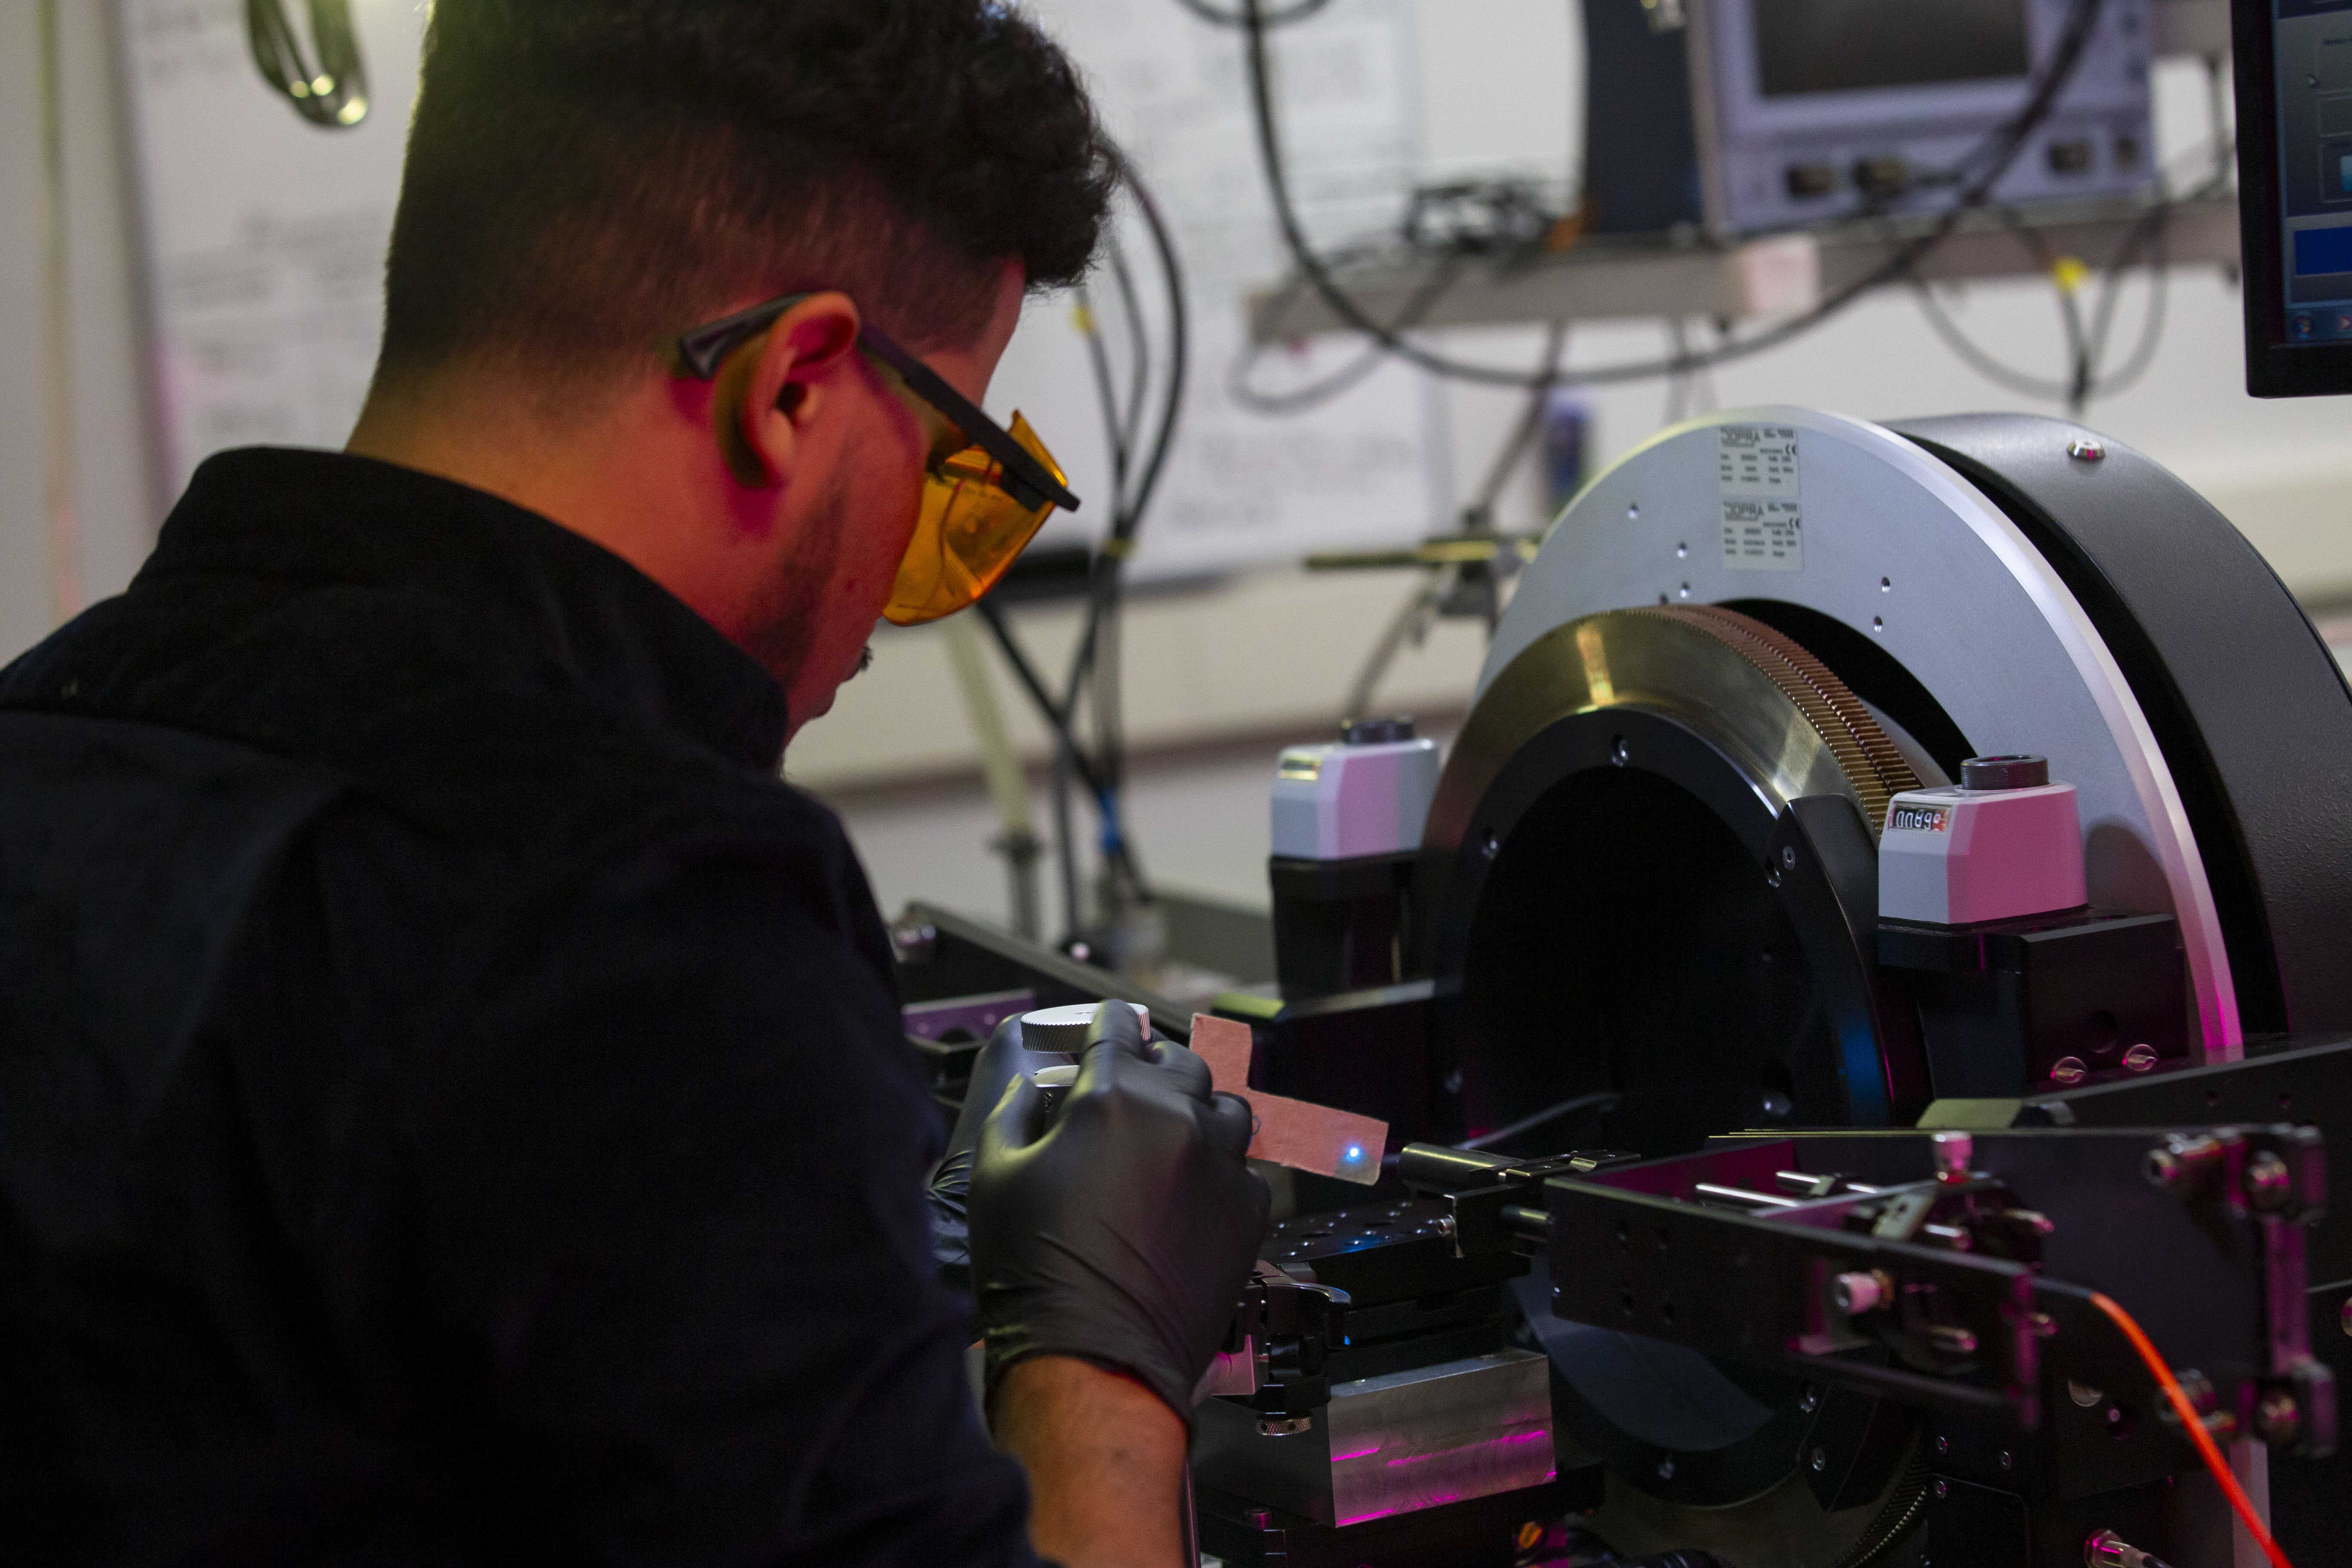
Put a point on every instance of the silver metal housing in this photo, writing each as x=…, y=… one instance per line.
x=1899, y=547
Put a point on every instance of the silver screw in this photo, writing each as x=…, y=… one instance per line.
x=1811, y=1400
x=2069, y=1069
x=1942, y=1489
x=2140, y=1057
x=1943, y=1445
x=2269, y=1184
x=2084, y=1395
x=2007, y=1462
x=2086, y=450
x=1275, y=1426
x=1789, y=857
x=1667, y=1469
x=1821, y=1460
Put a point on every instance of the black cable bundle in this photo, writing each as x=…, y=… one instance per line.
x=335, y=92
x=1136, y=468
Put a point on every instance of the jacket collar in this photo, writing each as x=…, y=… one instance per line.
x=327, y=517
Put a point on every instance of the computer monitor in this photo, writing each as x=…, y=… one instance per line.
x=2295, y=183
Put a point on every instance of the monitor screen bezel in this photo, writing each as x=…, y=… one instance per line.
x=2275, y=367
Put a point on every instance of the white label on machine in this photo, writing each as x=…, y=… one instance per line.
x=1763, y=517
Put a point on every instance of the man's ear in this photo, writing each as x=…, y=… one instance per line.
x=772, y=386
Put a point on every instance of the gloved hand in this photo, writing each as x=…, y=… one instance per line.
x=998, y=1063
x=1122, y=1233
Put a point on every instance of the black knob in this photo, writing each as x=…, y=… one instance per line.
x=2004, y=773
x=1377, y=732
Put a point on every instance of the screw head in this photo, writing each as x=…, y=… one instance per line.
x=2269, y=1183
x=1789, y=857
x=1667, y=1469
x=2084, y=1395
x=2008, y=1460
x=1809, y=1401
x=2140, y=1057
x=1942, y=1489
x=1492, y=845
x=1819, y=1460
x=2068, y=1070
x=2088, y=450
x=1620, y=753
x=2277, y=1418
x=1943, y=1445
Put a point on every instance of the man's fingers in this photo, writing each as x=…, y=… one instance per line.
x=1116, y=1036
x=1232, y=1124
x=1115, y=1023
x=1187, y=1072
x=1018, y=1120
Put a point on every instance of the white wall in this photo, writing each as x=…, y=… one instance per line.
x=1263, y=654
x=117, y=506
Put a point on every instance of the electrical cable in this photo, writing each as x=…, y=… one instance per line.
x=2150, y=233
x=1297, y=13
x=2194, y=1426
x=1542, y=1119
x=2001, y=151
x=1410, y=624
x=333, y=93
x=1138, y=469
x=1348, y=377
x=1139, y=345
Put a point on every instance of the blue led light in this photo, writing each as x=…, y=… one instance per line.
x=1355, y=1153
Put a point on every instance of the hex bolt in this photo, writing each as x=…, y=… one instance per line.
x=2269, y=1184
x=2068, y=1070
x=2277, y=1418
x=2140, y=1057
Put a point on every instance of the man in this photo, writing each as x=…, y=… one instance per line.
x=452, y=1107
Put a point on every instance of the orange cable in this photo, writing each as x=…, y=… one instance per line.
x=2194, y=1425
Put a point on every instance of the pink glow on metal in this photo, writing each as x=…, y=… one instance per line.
x=1359, y=1454
x=1377, y=1513
x=1517, y=1438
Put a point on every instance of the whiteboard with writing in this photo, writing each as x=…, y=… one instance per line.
x=266, y=238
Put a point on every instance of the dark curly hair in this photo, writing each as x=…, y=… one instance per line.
x=585, y=177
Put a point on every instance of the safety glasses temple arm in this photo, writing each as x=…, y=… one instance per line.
x=1025, y=470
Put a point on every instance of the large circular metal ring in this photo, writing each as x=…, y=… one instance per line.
x=1616, y=915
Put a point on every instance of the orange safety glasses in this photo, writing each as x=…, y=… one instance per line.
x=986, y=490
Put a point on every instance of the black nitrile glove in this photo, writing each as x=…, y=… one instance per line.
x=1122, y=1233
x=998, y=1063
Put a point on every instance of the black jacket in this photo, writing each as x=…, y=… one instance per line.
x=452, y=1104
